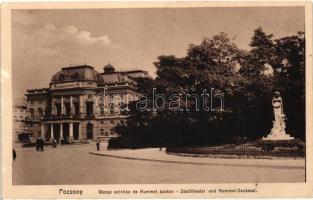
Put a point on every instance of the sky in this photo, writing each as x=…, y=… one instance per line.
x=44, y=41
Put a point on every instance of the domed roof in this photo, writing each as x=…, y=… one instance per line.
x=76, y=73
x=108, y=68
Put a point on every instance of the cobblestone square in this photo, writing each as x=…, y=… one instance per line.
x=73, y=164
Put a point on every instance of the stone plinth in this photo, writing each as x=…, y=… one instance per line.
x=278, y=137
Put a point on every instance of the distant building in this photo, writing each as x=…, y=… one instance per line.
x=82, y=103
x=19, y=116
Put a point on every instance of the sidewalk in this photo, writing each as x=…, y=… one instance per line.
x=155, y=155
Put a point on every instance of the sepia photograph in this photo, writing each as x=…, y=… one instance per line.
x=159, y=96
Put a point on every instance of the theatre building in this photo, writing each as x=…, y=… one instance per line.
x=82, y=103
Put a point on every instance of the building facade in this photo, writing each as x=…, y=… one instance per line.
x=82, y=103
x=19, y=116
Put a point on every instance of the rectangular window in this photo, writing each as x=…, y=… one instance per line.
x=111, y=105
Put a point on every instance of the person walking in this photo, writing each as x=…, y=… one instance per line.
x=98, y=144
x=37, y=144
x=42, y=143
x=14, y=155
x=54, y=144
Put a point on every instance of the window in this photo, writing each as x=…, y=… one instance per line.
x=31, y=101
x=111, y=108
x=101, y=106
x=111, y=122
x=101, y=122
x=106, y=134
x=31, y=113
x=101, y=131
x=58, y=107
x=76, y=106
x=111, y=96
x=40, y=101
x=89, y=108
x=67, y=108
x=40, y=113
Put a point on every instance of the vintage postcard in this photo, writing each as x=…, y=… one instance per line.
x=156, y=99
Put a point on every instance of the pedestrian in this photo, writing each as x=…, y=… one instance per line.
x=98, y=144
x=42, y=143
x=54, y=144
x=37, y=144
x=14, y=155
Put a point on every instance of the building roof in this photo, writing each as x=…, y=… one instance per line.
x=76, y=73
x=108, y=68
x=115, y=78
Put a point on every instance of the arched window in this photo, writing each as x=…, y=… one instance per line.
x=31, y=113
x=40, y=113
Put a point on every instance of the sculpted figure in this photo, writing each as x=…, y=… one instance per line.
x=278, y=131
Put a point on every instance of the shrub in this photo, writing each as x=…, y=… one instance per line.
x=123, y=142
x=269, y=145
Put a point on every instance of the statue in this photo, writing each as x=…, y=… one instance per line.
x=278, y=131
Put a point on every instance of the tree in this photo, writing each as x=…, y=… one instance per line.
x=289, y=68
x=241, y=77
x=261, y=54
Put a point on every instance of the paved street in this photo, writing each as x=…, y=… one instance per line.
x=75, y=165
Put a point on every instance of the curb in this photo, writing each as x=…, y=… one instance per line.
x=194, y=163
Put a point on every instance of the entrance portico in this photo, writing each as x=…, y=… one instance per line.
x=61, y=130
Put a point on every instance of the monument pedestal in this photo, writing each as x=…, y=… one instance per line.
x=278, y=132
x=278, y=137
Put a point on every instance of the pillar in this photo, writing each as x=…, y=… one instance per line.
x=71, y=105
x=81, y=105
x=61, y=131
x=53, y=108
x=51, y=132
x=79, y=131
x=62, y=106
x=42, y=131
x=71, y=130
x=104, y=106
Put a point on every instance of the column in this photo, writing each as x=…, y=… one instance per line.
x=71, y=130
x=104, y=106
x=79, y=131
x=62, y=112
x=42, y=131
x=81, y=105
x=71, y=105
x=51, y=132
x=61, y=131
